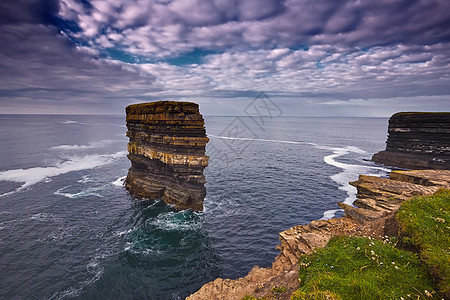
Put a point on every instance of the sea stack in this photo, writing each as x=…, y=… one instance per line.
x=417, y=140
x=167, y=153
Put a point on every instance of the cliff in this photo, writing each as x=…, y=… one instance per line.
x=374, y=216
x=417, y=140
x=167, y=153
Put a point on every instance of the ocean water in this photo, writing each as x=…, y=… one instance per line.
x=69, y=229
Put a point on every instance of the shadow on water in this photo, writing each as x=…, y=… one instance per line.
x=163, y=251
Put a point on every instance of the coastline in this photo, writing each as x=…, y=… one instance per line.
x=378, y=200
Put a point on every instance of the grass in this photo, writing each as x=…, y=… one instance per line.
x=249, y=297
x=278, y=290
x=426, y=221
x=362, y=268
x=275, y=291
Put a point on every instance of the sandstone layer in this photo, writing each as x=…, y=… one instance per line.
x=417, y=140
x=373, y=216
x=167, y=153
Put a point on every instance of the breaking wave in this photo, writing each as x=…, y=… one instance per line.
x=74, y=122
x=119, y=181
x=84, y=147
x=84, y=193
x=35, y=175
x=350, y=172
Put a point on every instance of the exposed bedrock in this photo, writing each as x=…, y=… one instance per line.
x=417, y=140
x=167, y=153
x=374, y=216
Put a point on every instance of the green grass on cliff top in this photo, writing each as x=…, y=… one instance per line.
x=427, y=221
x=362, y=268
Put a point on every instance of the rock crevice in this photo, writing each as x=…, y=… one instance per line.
x=167, y=153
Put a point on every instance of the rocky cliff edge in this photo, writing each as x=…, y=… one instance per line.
x=372, y=216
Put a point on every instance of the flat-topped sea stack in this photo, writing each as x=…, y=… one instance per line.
x=417, y=140
x=167, y=153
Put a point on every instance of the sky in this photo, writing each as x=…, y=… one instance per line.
x=310, y=57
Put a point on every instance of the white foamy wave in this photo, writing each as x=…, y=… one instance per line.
x=84, y=193
x=329, y=214
x=174, y=221
x=43, y=217
x=259, y=140
x=74, y=122
x=213, y=204
x=350, y=172
x=119, y=181
x=85, y=179
x=92, y=145
x=118, y=154
x=35, y=175
x=124, y=232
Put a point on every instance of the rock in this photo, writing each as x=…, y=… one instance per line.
x=417, y=140
x=167, y=153
x=389, y=191
x=258, y=283
x=378, y=197
x=373, y=216
x=361, y=215
x=423, y=177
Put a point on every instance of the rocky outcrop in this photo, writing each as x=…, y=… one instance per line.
x=417, y=140
x=167, y=153
x=379, y=197
x=373, y=216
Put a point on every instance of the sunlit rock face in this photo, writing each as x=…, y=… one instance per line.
x=417, y=140
x=167, y=153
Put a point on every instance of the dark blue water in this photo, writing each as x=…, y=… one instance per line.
x=68, y=228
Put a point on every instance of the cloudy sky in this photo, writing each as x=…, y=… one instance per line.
x=311, y=57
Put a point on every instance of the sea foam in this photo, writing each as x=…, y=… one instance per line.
x=84, y=147
x=119, y=181
x=349, y=172
x=35, y=175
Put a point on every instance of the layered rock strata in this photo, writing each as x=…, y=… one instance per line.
x=373, y=216
x=167, y=153
x=417, y=140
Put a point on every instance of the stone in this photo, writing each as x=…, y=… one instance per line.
x=373, y=216
x=389, y=191
x=361, y=215
x=167, y=153
x=423, y=177
x=417, y=140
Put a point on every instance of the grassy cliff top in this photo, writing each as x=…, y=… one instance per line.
x=161, y=107
x=426, y=221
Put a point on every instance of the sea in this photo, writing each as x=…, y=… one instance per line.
x=70, y=230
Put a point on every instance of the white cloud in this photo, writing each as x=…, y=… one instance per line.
x=343, y=53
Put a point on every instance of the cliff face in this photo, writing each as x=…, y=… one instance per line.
x=417, y=140
x=167, y=153
x=374, y=216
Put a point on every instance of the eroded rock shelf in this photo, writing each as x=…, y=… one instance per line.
x=373, y=216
